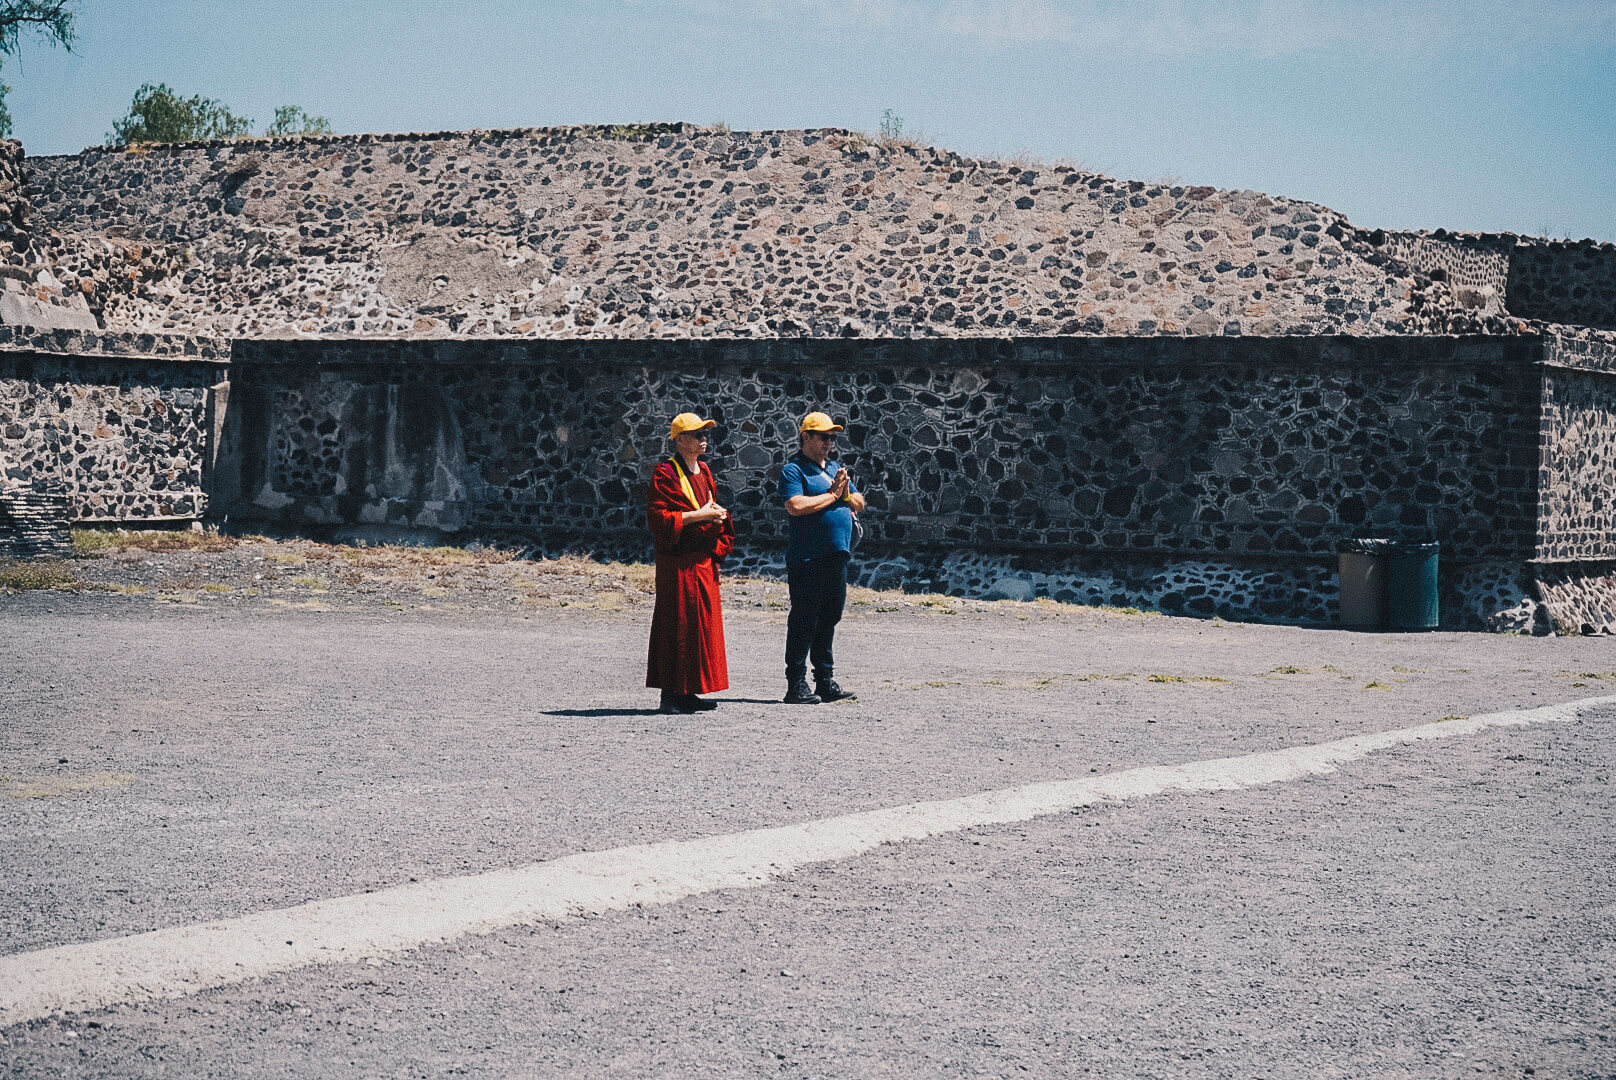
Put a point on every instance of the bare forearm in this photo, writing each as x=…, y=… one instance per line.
x=799, y=505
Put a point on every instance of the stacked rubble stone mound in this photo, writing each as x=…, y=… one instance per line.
x=674, y=231
x=34, y=525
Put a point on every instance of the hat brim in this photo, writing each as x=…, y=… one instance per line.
x=823, y=430
x=689, y=431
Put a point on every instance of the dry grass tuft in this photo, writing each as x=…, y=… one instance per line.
x=389, y=556
x=93, y=542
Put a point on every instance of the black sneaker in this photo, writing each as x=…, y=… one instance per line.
x=677, y=704
x=697, y=704
x=829, y=691
x=797, y=693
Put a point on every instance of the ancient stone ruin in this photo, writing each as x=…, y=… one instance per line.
x=1056, y=383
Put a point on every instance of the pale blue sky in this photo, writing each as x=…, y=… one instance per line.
x=1469, y=114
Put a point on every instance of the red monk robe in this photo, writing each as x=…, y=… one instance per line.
x=687, y=628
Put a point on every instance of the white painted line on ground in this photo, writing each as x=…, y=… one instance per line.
x=188, y=959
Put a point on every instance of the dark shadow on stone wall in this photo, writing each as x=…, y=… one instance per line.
x=1563, y=282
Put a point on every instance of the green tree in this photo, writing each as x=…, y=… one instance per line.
x=52, y=18
x=158, y=114
x=292, y=120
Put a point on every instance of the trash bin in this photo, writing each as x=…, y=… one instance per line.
x=1411, y=599
x=1362, y=581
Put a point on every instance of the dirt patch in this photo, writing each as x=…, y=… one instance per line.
x=218, y=569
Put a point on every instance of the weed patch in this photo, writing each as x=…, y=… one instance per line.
x=93, y=542
x=25, y=576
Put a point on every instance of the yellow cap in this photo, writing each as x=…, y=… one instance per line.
x=818, y=421
x=687, y=422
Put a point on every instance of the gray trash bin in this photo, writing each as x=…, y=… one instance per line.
x=1362, y=581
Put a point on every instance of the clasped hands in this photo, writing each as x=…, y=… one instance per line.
x=709, y=512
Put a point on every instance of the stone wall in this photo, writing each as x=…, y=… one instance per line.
x=1577, y=511
x=1563, y=281
x=1474, y=267
x=123, y=437
x=674, y=231
x=1531, y=278
x=1226, y=452
x=31, y=294
x=13, y=207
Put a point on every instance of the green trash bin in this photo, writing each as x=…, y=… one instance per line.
x=1411, y=597
x=1361, y=579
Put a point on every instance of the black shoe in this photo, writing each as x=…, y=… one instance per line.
x=677, y=704
x=797, y=693
x=697, y=704
x=829, y=691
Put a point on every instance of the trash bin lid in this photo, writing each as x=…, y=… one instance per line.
x=1363, y=547
x=1412, y=547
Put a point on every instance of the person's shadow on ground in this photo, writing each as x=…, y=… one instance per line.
x=653, y=712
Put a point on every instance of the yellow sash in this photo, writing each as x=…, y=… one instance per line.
x=684, y=483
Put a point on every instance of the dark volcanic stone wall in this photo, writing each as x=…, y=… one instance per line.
x=124, y=438
x=1563, y=281
x=1188, y=448
x=1577, y=515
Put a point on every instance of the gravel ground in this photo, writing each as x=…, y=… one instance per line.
x=164, y=762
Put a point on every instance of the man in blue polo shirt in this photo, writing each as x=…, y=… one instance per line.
x=821, y=500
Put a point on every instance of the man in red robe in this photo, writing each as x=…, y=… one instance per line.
x=692, y=533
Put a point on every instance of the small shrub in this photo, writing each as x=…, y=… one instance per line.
x=292, y=120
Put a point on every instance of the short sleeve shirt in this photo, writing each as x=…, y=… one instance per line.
x=826, y=532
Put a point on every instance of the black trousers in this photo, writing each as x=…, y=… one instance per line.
x=818, y=594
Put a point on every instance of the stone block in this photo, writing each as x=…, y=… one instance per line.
x=18, y=309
